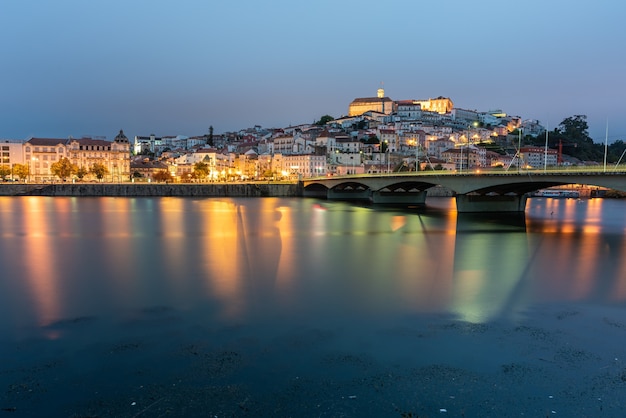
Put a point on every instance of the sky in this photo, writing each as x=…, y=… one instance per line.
x=76, y=67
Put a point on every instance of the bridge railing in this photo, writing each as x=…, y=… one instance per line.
x=570, y=170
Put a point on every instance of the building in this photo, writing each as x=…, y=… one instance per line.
x=11, y=153
x=146, y=144
x=303, y=166
x=439, y=105
x=40, y=154
x=380, y=103
x=408, y=110
x=114, y=155
x=537, y=157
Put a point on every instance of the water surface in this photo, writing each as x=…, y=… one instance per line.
x=300, y=307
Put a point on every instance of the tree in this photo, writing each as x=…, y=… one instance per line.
x=210, y=141
x=21, y=170
x=162, y=176
x=99, y=170
x=5, y=170
x=324, y=120
x=575, y=128
x=372, y=139
x=81, y=172
x=63, y=168
x=201, y=170
x=573, y=138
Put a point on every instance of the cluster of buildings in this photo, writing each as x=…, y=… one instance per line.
x=378, y=135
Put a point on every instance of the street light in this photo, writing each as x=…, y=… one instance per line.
x=519, y=149
x=30, y=166
x=461, y=170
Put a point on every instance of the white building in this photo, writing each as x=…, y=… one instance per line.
x=303, y=165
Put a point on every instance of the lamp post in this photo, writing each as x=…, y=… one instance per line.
x=30, y=164
x=417, y=154
x=461, y=170
x=519, y=150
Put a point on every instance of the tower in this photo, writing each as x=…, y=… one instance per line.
x=381, y=95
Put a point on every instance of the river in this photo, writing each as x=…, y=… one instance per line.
x=128, y=307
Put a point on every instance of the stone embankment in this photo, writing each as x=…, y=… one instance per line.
x=154, y=189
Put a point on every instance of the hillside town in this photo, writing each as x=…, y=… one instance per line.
x=378, y=135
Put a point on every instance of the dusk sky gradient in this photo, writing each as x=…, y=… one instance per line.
x=76, y=67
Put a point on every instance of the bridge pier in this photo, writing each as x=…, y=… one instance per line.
x=467, y=203
x=399, y=198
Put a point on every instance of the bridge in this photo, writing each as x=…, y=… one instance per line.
x=490, y=191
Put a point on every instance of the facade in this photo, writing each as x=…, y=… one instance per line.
x=537, y=157
x=439, y=105
x=303, y=165
x=11, y=153
x=145, y=169
x=465, y=158
x=40, y=154
x=114, y=155
x=408, y=110
x=145, y=144
x=390, y=137
x=283, y=144
x=380, y=103
x=465, y=116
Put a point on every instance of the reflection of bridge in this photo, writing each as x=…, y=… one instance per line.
x=475, y=192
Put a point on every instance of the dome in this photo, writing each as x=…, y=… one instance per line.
x=121, y=137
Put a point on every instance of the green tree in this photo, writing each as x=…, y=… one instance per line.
x=99, y=170
x=63, y=168
x=210, y=140
x=324, y=120
x=21, y=170
x=572, y=137
x=616, y=151
x=575, y=128
x=5, y=170
x=201, y=170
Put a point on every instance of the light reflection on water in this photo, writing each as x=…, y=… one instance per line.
x=67, y=257
x=122, y=286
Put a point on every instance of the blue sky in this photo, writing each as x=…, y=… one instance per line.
x=75, y=67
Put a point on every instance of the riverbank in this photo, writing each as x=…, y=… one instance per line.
x=154, y=189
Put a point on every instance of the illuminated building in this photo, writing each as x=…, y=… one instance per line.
x=380, y=103
x=114, y=155
x=439, y=105
x=41, y=153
